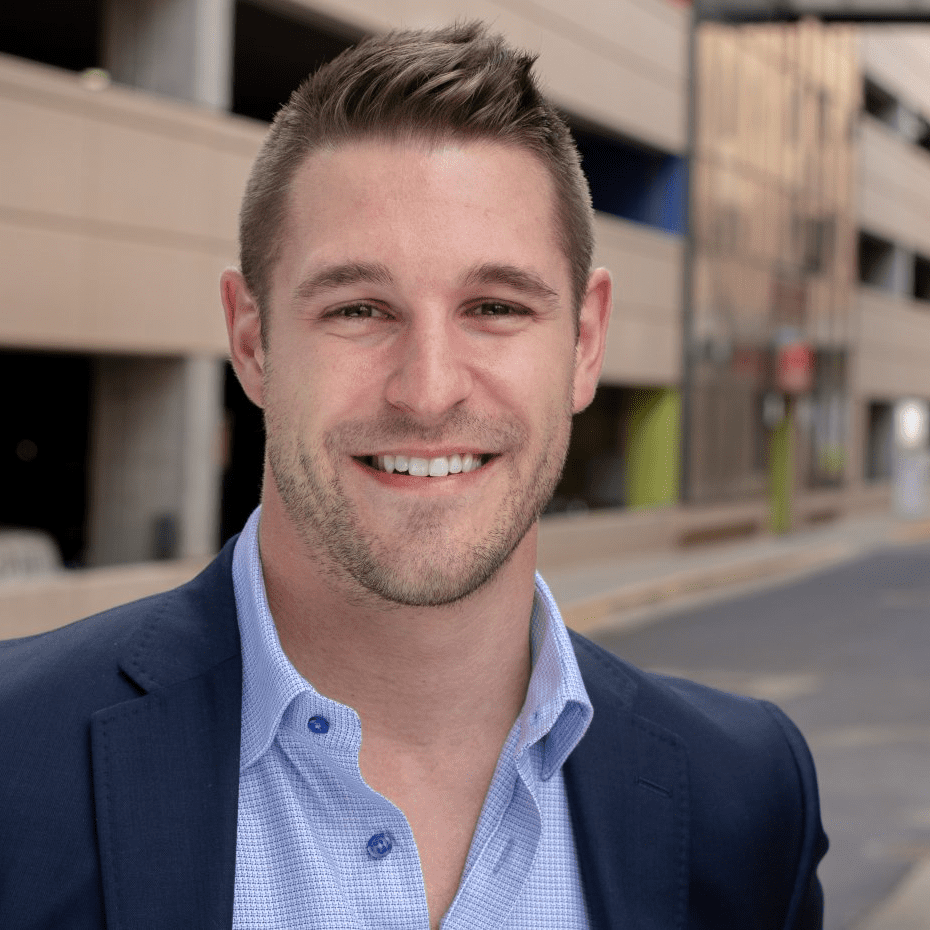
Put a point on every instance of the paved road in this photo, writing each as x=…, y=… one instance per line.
x=846, y=653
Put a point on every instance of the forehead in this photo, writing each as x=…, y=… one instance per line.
x=423, y=207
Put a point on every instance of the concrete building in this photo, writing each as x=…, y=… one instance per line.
x=774, y=235
x=811, y=225
x=893, y=296
x=128, y=130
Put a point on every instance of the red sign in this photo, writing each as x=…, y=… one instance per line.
x=794, y=368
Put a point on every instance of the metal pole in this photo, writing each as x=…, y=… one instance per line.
x=687, y=271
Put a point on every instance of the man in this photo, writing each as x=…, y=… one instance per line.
x=367, y=711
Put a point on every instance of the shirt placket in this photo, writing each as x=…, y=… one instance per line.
x=368, y=838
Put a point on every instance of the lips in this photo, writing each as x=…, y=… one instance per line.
x=437, y=467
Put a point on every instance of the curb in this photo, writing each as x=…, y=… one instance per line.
x=599, y=612
x=594, y=613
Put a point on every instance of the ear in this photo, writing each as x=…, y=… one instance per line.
x=592, y=337
x=244, y=328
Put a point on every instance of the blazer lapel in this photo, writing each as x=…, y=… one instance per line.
x=166, y=766
x=627, y=789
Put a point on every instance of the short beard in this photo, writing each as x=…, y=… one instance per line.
x=446, y=569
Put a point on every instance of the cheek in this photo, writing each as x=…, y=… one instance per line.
x=549, y=378
x=541, y=396
x=316, y=382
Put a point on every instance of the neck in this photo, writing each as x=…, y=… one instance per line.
x=420, y=678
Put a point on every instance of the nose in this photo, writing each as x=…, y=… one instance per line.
x=432, y=372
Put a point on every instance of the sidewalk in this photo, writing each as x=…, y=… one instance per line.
x=626, y=592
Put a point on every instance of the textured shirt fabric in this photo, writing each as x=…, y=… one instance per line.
x=318, y=848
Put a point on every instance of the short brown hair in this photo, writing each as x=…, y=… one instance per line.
x=460, y=82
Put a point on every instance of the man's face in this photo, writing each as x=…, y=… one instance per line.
x=419, y=364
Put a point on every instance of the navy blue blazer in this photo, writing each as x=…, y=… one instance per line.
x=119, y=752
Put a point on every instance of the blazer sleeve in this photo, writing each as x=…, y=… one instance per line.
x=805, y=911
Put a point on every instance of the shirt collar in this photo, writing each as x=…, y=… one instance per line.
x=557, y=709
x=269, y=681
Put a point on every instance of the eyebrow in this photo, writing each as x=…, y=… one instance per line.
x=513, y=277
x=344, y=274
x=330, y=277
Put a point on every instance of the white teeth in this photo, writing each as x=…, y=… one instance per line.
x=437, y=467
x=419, y=467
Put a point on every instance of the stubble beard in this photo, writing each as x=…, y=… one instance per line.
x=429, y=564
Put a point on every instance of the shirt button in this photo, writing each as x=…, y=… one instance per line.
x=318, y=725
x=380, y=845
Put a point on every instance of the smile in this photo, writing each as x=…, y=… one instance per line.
x=428, y=468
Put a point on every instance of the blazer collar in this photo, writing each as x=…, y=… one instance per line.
x=627, y=788
x=166, y=765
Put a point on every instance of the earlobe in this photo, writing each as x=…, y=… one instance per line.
x=592, y=337
x=244, y=330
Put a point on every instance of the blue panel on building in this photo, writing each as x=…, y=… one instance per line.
x=634, y=182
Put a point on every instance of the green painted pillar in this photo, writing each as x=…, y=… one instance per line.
x=781, y=474
x=653, y=447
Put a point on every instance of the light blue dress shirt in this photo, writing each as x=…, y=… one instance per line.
x=318, y=848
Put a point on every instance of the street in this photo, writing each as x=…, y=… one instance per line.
x=845, y=653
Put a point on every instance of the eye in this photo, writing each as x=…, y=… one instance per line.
x=359, y=311
x=496, y=308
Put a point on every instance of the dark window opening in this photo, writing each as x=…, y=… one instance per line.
x=634, y=182
x=878, y=102
x=879, y=438
x=274, y=53
x=43, y=455
x=876, y=261
x=66, y=35
x=921, y=277
x=243, y=457
x=595, y=469
x=922, y=134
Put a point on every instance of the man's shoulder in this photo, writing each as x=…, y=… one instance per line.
x=716, y=728
x=728, y=777
x=99, y=713
x=82, y=661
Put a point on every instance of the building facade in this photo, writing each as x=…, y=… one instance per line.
x=892, y=307
x=129, y=128
x=811, y=230
x=774, y=253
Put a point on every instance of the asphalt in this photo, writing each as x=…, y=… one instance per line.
x=635, y=590
x=618, y=596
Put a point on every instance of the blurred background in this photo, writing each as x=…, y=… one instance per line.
x=771, y=317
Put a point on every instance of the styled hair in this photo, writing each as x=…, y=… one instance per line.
x=458, y=82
